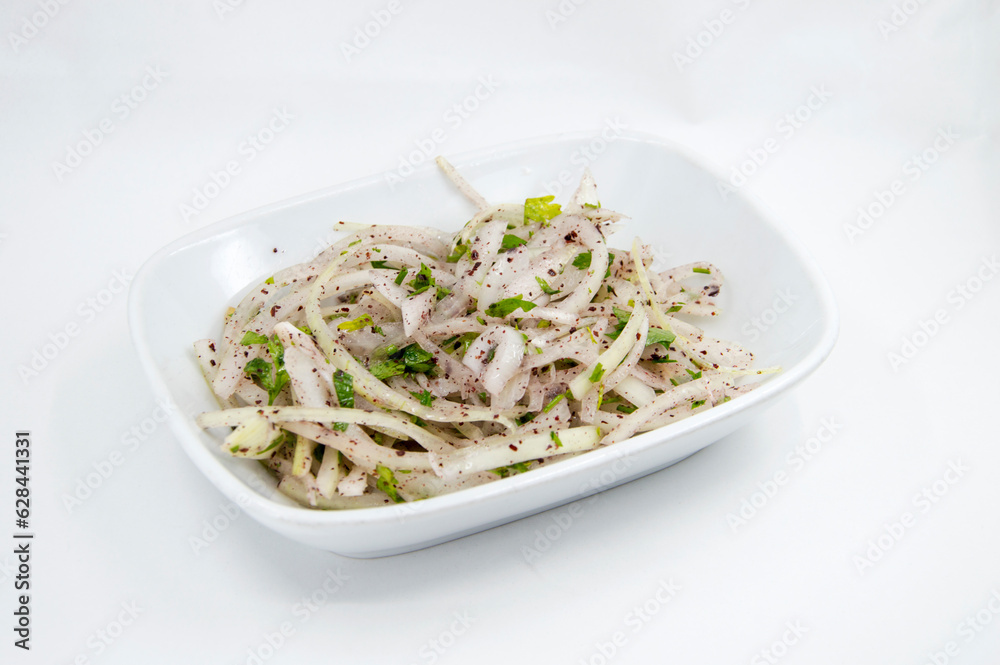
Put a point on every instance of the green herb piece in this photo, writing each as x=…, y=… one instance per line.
x=425, y=397
x=459, y=252
x=697, y=403
x=250, y=337
x=660, y=336
x=511, y=241
x=555, y=400
x=505, y=471
x=525, y=419
x=264, y=375
x=674, y=381
x=483, y=396
x=423, y=280
x=546, y=289
x=694, y=375
x=592, y=206
x=442, y=291
x=362, y=321
x=726, y=398
x=664, y=359
x=381, y=265
x=460, y=343
x=582, y=260
x=598, y=372
x=306, y=329
x=401, y=276
x=387, y=369
x=626, y=408
x=611, y=260
x=502, y=308
x=387, y=483
x=675, y=308
x=541, y=209
x=555, y=437
x=343, y=386
x=277, y=352
x=269, y=280
x=416, y=359
x=703, y=271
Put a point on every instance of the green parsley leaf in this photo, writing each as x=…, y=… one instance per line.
x=381, y=265
x=362, y=321
x=502, y=308
x=401, y=276
x=703, y=271
x=387, y=483
x=416, y=359
x=626, y=408
x=425, y=397
x=251, y=337
x=660, y=336
x=555, y=437
x=423, y=281
x=598, y=372
x=459, y=252
x=541, y=209
x=695, y=404
x=269, y=280
x=694, y=375
x=675, y=308
x=592, y=206
x=264, y=375
x=582, y=260
x=277, y=352
x=511, y=241
x=546, y=289
x=387, y=369
x=306, y=329
x=664, y=359
x=526, y=418
x=460, y=343
x=343, y=385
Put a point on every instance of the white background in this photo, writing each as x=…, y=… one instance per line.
x=805, y=558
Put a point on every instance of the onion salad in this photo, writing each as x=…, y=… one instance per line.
x=405, y=362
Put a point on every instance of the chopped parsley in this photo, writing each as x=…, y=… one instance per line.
x=363, y=321
x=546, y=289
x=502, y=308
x=505, y=471
x=695, y=404
x=425, y=397
x=582, y=260
x=343, y=386
x=626, y=408
x=459, y=252
x=251, y=337
x=381, y=265
x=541, y=209
x=694, y=375
x=410, y=359
x=387, y=483
x=511, y=241
x=555, y=437
x=703, y=271
x=675, y=308
x=423, y=280
x=401, y=276
x=598, y=372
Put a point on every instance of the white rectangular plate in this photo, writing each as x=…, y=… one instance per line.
x=674, y=203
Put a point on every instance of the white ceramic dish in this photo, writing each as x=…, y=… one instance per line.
x=674, y=203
